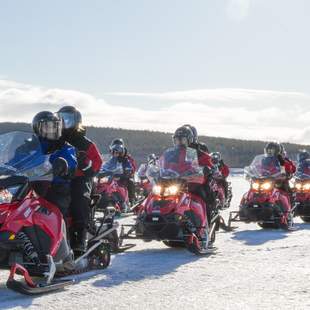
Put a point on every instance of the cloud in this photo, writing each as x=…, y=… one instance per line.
x=234, y=113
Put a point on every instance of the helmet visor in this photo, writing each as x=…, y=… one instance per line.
x=50, y=130
x=117, y=149
x=68, y=119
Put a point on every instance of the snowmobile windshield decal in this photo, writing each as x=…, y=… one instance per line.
x=264, y=166
x=177, y=162
x=21, y=154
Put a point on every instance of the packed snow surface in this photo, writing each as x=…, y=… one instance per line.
x=251, y=269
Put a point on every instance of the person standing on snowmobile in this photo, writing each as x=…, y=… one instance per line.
x=89, y=163
x=120, y=154
x=47, y=126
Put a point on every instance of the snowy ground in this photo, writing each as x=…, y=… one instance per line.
x=252, y=269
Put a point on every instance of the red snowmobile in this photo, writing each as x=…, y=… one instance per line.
x=174, y=212
x=224, y=200
x=33, y=237
x=266, y=202
x=143, y=184
x=112, y=193
x=301, y=188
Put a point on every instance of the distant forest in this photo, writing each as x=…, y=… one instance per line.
x=140, y=143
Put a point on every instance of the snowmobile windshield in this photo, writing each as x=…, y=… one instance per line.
x=112, y=167
x=142, y=171
x=303, y=169
x=263, y=167
x=179, y=162
x=21, y=154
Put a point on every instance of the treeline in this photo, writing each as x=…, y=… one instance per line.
x=140, y=143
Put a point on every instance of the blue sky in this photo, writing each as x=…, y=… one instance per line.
x=129, y=53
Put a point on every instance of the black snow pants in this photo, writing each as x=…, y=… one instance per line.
x=81, y=190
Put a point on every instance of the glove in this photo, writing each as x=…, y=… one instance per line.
x=281, y=159
x=207, y=171
x=84, y=163
x=60, y=167
x=194, y=146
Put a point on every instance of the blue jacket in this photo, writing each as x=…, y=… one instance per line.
x=114, y=162
x=67, y=152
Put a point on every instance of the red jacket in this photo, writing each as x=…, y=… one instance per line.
x=289, y=166
x=224, y=170
x=88, y=155
x=204, y=159
x=132, y=162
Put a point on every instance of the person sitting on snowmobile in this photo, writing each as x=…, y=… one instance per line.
x=89, y=164
x=119, y=155
x=151, y=161
x=303, y=162
x=275, y=151
x=223, y=169
x=47, y=126
x=128, y=161
x=184, y=136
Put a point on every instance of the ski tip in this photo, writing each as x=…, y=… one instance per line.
x=40, y=289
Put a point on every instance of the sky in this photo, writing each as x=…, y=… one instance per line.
x=232, y=68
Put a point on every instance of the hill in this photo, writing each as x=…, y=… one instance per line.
x=236, y=152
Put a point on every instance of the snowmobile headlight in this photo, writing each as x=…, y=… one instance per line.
x=255, y=186
x=306, y=187
x=104, y=180
x=298, y=186
x=171, y=190
x=157, y=189
x=266, y=186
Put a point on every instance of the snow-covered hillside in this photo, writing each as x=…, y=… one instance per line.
x=252, y=269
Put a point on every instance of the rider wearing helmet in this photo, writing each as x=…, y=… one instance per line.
x=185, y=137
x=196, y=144
x=152, y=159
x=303, y=162
x=223, y=168
x=47, y=126
x=119, y=151
x=277, y=150
x=89, y=164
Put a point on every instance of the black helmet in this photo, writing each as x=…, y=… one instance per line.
x=303, y=155
x=183, y=136
x=47, y=125
x=117, y=141
x=194, y=131
x=273, y=149
x=151, y=159
x=216, y=157
x=117, y=145
x=72, y=118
